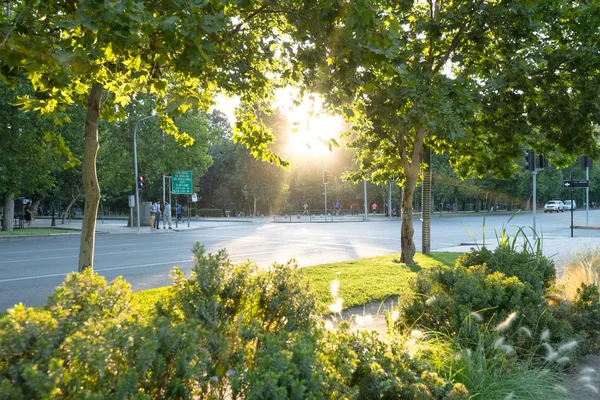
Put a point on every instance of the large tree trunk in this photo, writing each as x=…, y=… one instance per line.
x=411, y=168
x=407, y=232
x=90, y=180
x=9, y=212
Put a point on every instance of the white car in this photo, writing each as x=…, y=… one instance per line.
x=568, y=205
x=554, y=205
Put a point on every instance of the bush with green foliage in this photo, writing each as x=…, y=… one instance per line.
x=583, y=313
x=228, y=331
x=446, y=298
x=529, y=267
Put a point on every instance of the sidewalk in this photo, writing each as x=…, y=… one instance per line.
x=119, y=226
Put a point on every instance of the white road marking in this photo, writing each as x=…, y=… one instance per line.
x=136, y=266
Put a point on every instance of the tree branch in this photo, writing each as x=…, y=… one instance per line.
x=453, y=45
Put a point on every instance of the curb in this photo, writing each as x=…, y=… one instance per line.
x=47, y=235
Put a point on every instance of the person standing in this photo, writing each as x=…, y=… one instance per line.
x=167, y=215
x=152, y=215
x=158, y=212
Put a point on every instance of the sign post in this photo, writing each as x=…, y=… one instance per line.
x=181, y=183
x=575, y=184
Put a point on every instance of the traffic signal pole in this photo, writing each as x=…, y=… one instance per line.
x=534, y=174
x=137, y=190
x=587, y=197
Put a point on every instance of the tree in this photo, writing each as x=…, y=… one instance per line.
x=477, y=80
x=102, y=54
x=158, y=153
x=264, y=181
x=31, y=151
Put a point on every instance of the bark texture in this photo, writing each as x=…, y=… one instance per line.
x=411, y=168
x=90, y=180
x=9, y=212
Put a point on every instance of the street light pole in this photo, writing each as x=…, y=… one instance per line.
x=137, y=190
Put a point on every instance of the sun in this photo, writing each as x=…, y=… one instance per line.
x=312, y=128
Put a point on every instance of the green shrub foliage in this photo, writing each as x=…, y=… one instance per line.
x=583, y=314
x=529, y=267
x=228, y=331
x=447, y=298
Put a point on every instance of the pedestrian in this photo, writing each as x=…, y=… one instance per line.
x=305, y=209
x=167, y=215
x=337, y=207
x=152, y=215
x=28, y=214
x=158, y=212
x=374, y=208
x=179, y=211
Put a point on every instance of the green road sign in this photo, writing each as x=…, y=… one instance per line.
x=182, y=182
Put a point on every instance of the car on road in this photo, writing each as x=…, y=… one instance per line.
x=567, y=204
x=554, y=205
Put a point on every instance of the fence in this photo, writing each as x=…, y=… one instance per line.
x=301, y=216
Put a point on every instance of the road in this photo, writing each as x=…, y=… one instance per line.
x=30, y=269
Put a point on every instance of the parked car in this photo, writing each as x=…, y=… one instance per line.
x=568, y=205
x=554, y=205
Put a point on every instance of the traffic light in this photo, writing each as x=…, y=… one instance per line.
x=141, y=182
x=530, y=160
x=586, y=162
x=542, y=162
x=325, y=176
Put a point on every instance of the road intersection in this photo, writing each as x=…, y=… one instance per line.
x=31, y=268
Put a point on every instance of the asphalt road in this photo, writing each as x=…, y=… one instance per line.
x=31, y=269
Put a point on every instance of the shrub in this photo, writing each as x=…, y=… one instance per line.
x=86, y=343
x=583, y=314
x=228, y=331
x=529, y=267
x=447, y=297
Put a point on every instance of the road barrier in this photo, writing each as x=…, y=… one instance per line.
x=301, y=216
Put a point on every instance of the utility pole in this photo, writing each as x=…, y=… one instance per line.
x=137, y=189
x=426, y=203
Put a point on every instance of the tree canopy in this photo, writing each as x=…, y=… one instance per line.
x=477, y=80
x=102, y=54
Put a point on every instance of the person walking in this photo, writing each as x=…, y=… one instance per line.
x=374, y=208
x=167, y=215
x=179, y=211
x=28, y=214
x=152, y=215
x=305, y=209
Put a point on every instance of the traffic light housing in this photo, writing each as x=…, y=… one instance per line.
x=530, y=160
x=586, y=162
x=325, y=176
x=542, y=162
x=141, y=182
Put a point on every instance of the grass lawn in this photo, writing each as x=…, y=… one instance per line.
x=361, y=281
x=370, y=279
x=36, y=231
